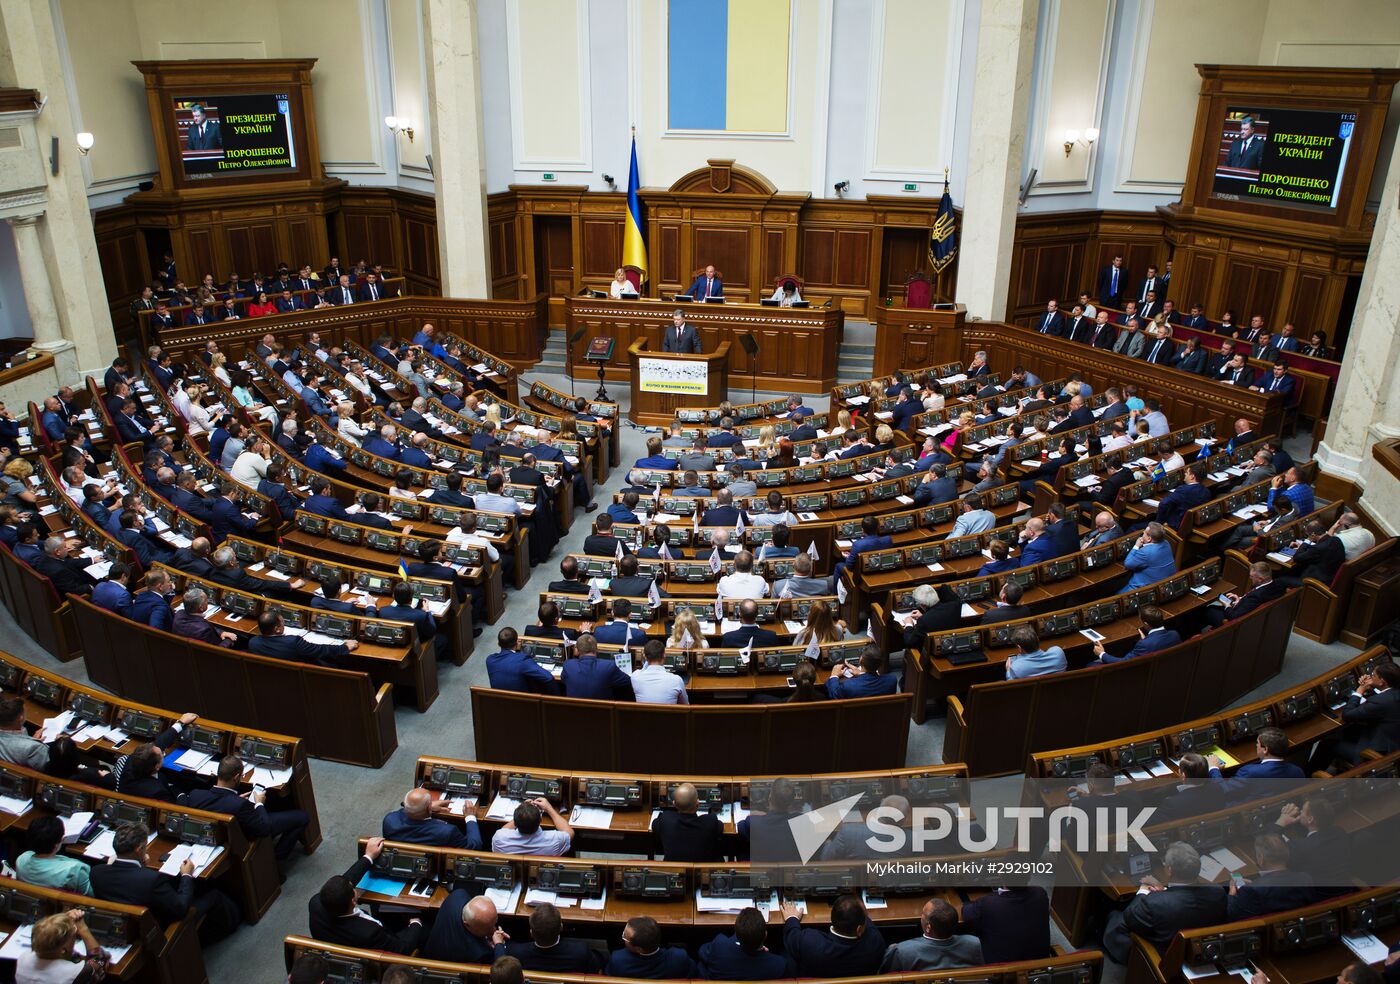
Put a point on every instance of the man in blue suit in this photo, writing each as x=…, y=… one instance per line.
x=318, y=457
x=1151, y=559
x=623, y=512
x=642, y=954
x=936, y=487
x=1152, y=636
x=94, y=507
x=1052, y=322
x=866, y=681
x=850, y=947
x=187, y=499
x=725, y=436
x=383, y=443
x=616, y=632
x=405, y=609
x=1191, y=492
x=111, y=593
x=225, y=516
x=271, y=641
x=328, y=599
x=510, y=669
x=272, y=488
x=149, y=606
x=251, y=812
x=1062, y=529
x=870, y=539
x=414, y=823
x=1271, y=745
x=743, y=956
x=592, y=678
x=1276, y=380
x=708, y=284
x=723, y=512
x=748, y=632
x=147, y=547
x=655, y=459
x=905, y=409
x=1037, y=544
x=414, y=456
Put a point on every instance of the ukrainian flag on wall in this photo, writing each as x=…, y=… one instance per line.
x=727, y=62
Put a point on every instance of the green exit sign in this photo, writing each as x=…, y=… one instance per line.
x=548, y=176
x=908, y=186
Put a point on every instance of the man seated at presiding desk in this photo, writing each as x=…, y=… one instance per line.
x=685, y=834
x=335, y=917
x=415, y=822
x=548, y=950
x=680, y=336
x=129, y=881
x=523, y=834
x=743, y=956
x=708, y=284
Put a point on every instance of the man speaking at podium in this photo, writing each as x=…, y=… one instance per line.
x=680, y=337
x=706, y=285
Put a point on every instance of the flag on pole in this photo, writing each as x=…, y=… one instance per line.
x=634, y=243
x=594, y=595
x=715, y=564
x=665, y=550
x=812, y=550
x=1158, y=472
x=617, y=554
x=653, y=595
x=840, y=591
x=739, y=528
x=719, y=610
x=746, y=652
x=813, y=650
x=403, y=569
x=943, y=240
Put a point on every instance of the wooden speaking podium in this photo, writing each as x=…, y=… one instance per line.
x=651, y=406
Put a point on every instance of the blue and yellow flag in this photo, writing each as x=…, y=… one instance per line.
x=634, y=243
x=943, y=241
x=403, y=569
x=1158, y=472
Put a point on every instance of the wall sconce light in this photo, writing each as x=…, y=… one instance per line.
x=85, y=142
x=399, y=124
x=1072, y=138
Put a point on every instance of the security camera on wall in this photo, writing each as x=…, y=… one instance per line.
x=1026, y=188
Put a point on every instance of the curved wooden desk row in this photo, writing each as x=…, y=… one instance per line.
x=1183, y=395
x=42, y=615
x=843, y=392
x=1340, y=608
x=560, y=405
x=764, y=478
x=390, y=652
x=509, y=330
x=566, y=733
x=338, y=714
x=1304, y=712
x=1082, y=967
x=245, y=869
x=391, y=286
x=1001, y=724
x=147, y=952
x=46, y=694
x=630, y=801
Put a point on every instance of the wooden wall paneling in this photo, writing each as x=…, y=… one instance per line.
x=775, y=264
x=668, y=264
x=852, y=265
x=601, y=251
x=728, y=248
x=905, y=252
x=818, y=265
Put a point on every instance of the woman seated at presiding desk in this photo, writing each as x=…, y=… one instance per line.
x=621, y=286
x=787, y=294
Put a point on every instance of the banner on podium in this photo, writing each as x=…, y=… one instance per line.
x=673, y=376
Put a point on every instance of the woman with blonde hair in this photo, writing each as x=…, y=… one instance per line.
x=216, y=364
x=15, y=485
x=767, y=441
x=966, y=420
x=198, y=416
x=686, y=624
x=843, y=422
x=884, y=437
x=50, y=958
x=348, y=427
x=620, y=285
x=493, y=415
x=822, y=624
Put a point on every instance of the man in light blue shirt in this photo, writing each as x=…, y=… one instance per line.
x=524, y=835
x=974, y=518
x=1030, y=660
x=1151, y=559
x=1157, y=425
x=492, y=500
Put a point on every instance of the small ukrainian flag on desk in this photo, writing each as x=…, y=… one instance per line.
x=403, y=569
x=1158, y=472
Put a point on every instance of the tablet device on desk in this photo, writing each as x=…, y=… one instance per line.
x=682, y=299
x=714, y=300
x=628, y=295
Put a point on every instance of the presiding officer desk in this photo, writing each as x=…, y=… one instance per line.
x=612, y=812
x=797, y=347
x=1082, y=967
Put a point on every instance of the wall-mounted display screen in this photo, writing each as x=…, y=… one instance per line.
x=1289, y=157
x=230, y=136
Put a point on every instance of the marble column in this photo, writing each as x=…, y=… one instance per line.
x=38, y=292
x=1001, y=98
x=458, y=146
x=65, y=236
x=1366, y=406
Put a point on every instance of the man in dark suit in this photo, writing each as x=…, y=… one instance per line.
x=1152, y=636
x=252, y=814
x=67, y=573
x=1079, y=327
x=866, y=680
x=341, y=293
x=851, y=947
x=510, y=669
x=187, y=498
x=685, y=834
x=289, y=302
x=643, y=955
x=203, y=133
x=547, y=950
x=414, y=823
x=743, y=956
x=1079, y=413
x=1008, y=607
x=190, y=622
x=591, y=678
x=1112, y=282
x=224, y=515
x=1103, y=334
x=1037, y=543
x=130, y=425
x=1150, y=284
x=1263, y=589
x=1370, y=719
x=1047, y=470
x=271, y=641
x=372, y=289
x=1246, y=150
x=602, y=543
x=1195, y=795
x=335, y=918
x=273, y=488
x=707, y=284
x=1190, y=493
x=870, y=539
x=570, y=583
x=1319, y=556
x=1274, y=888
x=1276, y=380
x=1317, y=846
x=405, y=609
x=628, y=583
x=937, y=609
x=680, y=336
x=1052, y=322
x=1013, y=924
x=1161, y=350
x=1165, y=909
x=169, y=897
x=748, y=631
x=723, y=512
